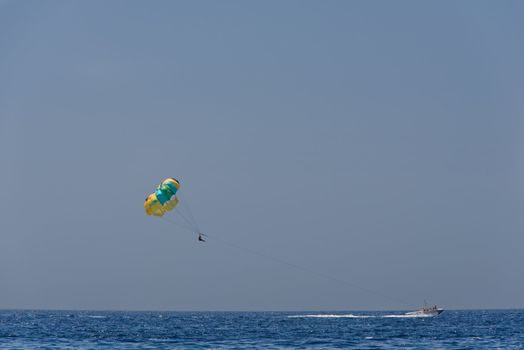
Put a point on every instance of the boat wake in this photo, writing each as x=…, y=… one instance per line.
x=358, y=316
x=330, y=316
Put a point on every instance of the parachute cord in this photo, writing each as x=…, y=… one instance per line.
x=188, y=228
x=185, y=203
x=306, y=269
x=192, y=224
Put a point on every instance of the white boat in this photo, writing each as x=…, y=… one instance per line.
x=426, y=311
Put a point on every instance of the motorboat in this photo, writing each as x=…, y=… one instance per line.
x=426, y=311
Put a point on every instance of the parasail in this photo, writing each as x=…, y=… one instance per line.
x=165, y=199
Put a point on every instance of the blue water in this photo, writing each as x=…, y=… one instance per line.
x=503, y=329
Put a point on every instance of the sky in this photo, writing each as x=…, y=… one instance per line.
x=379, y=143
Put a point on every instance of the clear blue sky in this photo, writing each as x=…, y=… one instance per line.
x=380, y=142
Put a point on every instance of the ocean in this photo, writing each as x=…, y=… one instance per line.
x=479, y=329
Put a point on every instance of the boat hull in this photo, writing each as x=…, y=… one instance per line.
x=425, y=312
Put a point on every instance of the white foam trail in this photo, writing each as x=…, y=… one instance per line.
x=330, y=316
x=407, y=316
x=357, y=316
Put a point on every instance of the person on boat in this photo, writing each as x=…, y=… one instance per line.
x=201, y=237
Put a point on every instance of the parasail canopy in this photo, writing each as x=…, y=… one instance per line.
x=165, y=199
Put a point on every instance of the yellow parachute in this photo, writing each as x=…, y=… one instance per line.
x=163, y=199
x=166, y=199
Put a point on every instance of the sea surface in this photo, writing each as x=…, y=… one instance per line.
x=481, y=329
